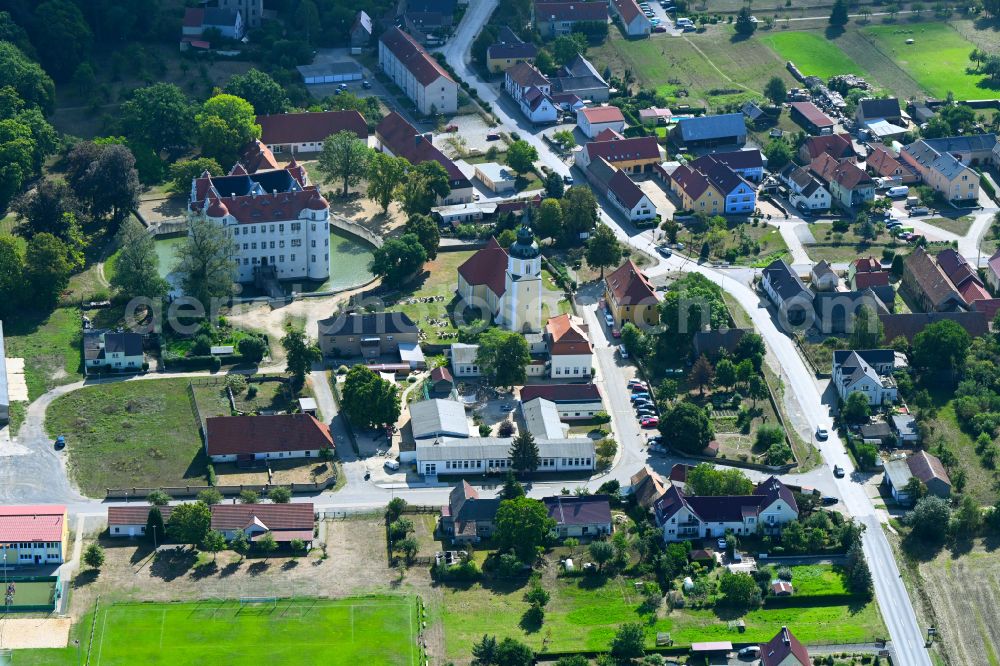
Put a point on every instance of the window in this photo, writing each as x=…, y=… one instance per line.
x=253, y=246
x=271, y=229
x=313, y=243
x=281, y=258
x=313, y=259
x=296, y=242
x=281, y=228
x=245, y=261
x=291, y=257
x=296, y=226
x=253, y=229
x=281, y=243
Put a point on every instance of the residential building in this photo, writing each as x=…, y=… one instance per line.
x=463, y=360
x=371, y=335
x=305, y=132
x=871, y=110
x=927, y=283
x=748, y=163
x=907, y=326
x=962, y=275
x=278, y=220
x=715, y=344
x=229, y=23
x=943, y=166
x=33, y=534
x=509, y=50
x=805, y=191
x=811, y=118
x=696, y=192
x=284, y=522
x=784, y=650
x=467, y=518
x=442, y=383
x=574, y=401
x=882, y=163
x=507, y=284
x=877, y=433
x=395, y=136
x=685, y=517
x=361, y=31
x=466, y=213
x=647, y=487
x=823, y=277
x=751, y=111
x=655, y=116
x=570, y=352
x=629, y=198
x=417, y=73
x=738, y=195
x=553, y=19
x=4, y=388
x=634, y=155
x=498, y=178
x=521, y=78
x=866, y=371
x=920, y=465
x=630, y=297
x=867, y=272
x=112, y=352
x=904, y=426
x=838, y=146
x=586, y=516
x=836, y=311
x=245, y=439
x=130, y=520
x=728, y=128
x=491, y=455
x=252, y=11
x=849, y=185
x=593, y=120
x=632, y=19
x=579, y=79
x=436, y=417
x=785, y=289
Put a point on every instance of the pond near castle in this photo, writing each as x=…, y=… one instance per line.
x=349, y=259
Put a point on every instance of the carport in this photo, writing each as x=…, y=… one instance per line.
x=330, y=72
x=714, y=652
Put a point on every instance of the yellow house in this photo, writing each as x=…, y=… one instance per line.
x=508, y=51
x=630, y=297
x=634, y=155
x=696, y=191
x=33, y=535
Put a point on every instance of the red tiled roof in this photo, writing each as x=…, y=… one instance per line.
x=784, y=645
x=267, y=207
x=403, y=140
x=693, y=183
x=882, y=163
x=258, y=157
x=624, y=150
x=134, y=514
x=571, y=11
x=193, y=17
x=561, y=393
x=568, y=336
x=32, y=523
x=627, y=9
x=525, y=74
x=608, y=134
x=305, y=127
x=629, y=286
x=227, y=435
x=867, y=264
x=291, y=516
x=812, y=114
x=847, y=174
x=414, y=57
x=973, y=291
x=603, y=114
x=927, y=467
x=441, y=373
x=837, y=145
x=487, y=266
x=864, y=280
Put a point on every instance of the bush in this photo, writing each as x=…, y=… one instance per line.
x=202, y=345
x=252, y=391
x=784, y=573
x=252, y=348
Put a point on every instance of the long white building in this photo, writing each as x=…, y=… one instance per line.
x=490, y=455
x=420, y=76
x=278, y=221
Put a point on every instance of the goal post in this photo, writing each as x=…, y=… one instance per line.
x=259, y=602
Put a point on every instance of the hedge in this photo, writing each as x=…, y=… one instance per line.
x=201, y=362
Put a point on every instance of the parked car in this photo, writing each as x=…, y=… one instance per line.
x=637, y=385
x=919, y=210
x=60, y=442
x=664, y=251
x=622, y=351
x=645, y=402
x=650, y=422
x=646, y=413
x=636, y=397
x=749, y=652
x=493, y=136
x=822, y=434
x=615, y=333
x=608, y=319
x=829, y=501
x=391, y=465
x=721, y=543
x=568, y=180
x=659, y=28
x=655, y=440
x=838, y=471
x=366, y=84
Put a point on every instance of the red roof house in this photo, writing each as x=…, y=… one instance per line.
x=246, y=438
x=27, y=533
x=305, y=132
x=285, y=522
x=784, y=650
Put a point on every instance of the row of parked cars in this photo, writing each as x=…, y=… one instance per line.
x=642, y=402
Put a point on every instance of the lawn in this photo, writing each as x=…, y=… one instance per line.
x=979, y=480
x=812, y=53
x=772, y=245
x=439, y=280
x=213, y=401
x=375, y=630
x=841, y=247
x=937, y=60
x=818, y=579
x=132, y=433
x=958, y=225
x=584, y=615
x=50, y=347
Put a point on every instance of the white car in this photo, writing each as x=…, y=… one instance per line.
x=622, y=351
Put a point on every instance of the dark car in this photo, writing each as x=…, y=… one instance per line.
x=664, y=251
x=838, y=471
x=366, y=84
x=568, y=180
x=659, y=28
x=60, y=442
x=829, y=501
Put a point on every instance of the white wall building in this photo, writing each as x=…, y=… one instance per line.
x=417, y=73
x=482, y=455
x=867, y=371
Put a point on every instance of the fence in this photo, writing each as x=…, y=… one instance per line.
x=225, y=491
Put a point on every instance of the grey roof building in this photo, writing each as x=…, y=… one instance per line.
x=438, y=418
x=579, y=516
x=721, y=129
x=541, y=417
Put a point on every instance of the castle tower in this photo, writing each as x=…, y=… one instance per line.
x=522, y=306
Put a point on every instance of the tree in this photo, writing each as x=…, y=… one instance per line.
x=512, y=489
x=110, y=186
x=537, y=595
x=426, y=230
x=929, y=519
x=11, y=277
x=603, y=249
x=502, y=356
x=739, y=590
x=859, y=576
x=838, y=15
x=205, y=262
x=767, y=436
x=48, y=266
x=915, y=489
x=136, y=269
x=567, y=47
x=702, y=373
x=189, y=522
x=425, y=183
x=628, y=642
x=159, y=116
x=705, y=480
x=210, y=496
x=521, y=156
x=183, y=172
x=369, y=401
x=776, y=91
x=213, y=542
x=158, y=498
x=524, y=455
x=344, y=158
x=601, y=552
x=484, y=652
x=385, y=175
x=265, y=95
x=867, y=329
x=280, y=495
x=266, y=544
x=394, y=509
x=248, y=496
x=778, y=454
x=778, y=152
x=725, y=373
x=300, y=354
x=941, y=346
x=554, y=186
x=687, y=427
x=522, y=525
x=60, y=24
x=252, y=348
x=398, y=259
x=93, y=556
x=548, y=221
x=226, y=124
x=49, y=208
x=26, y=77
x=967, y=519
x=155, y=529
x=634, y=339
x=240, y=544
x=856, y=408
x=513, y=653
x=745, y=25
x=579, y=213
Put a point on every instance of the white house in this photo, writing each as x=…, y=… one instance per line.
x=417, y=73
x=629, y=198
x=805, y=191
x=244, y=439
x=868, y=371
x=684, y=517
x=574, y=401
x=632, y=19
x=294, y=521
x=570, y=351
x=532, y=91
x=33, y=535
x=130, y=520
x=594, y=120
x=491, y=455
x=785, y=289
x=463, y=360
x=118, y=351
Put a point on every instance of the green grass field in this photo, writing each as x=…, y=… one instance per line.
x=937, y=60
x=375, y=630
x=50, y=347
x=818, y=579
x=812, y=53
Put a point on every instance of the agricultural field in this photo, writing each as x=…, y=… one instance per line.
x=937, y=60
x=812, y=53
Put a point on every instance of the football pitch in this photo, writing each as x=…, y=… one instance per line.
x=375, y=630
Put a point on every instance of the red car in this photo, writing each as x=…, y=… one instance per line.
x=615, y=333
x=659, y=28
x=650, y=422
x=451, y=128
